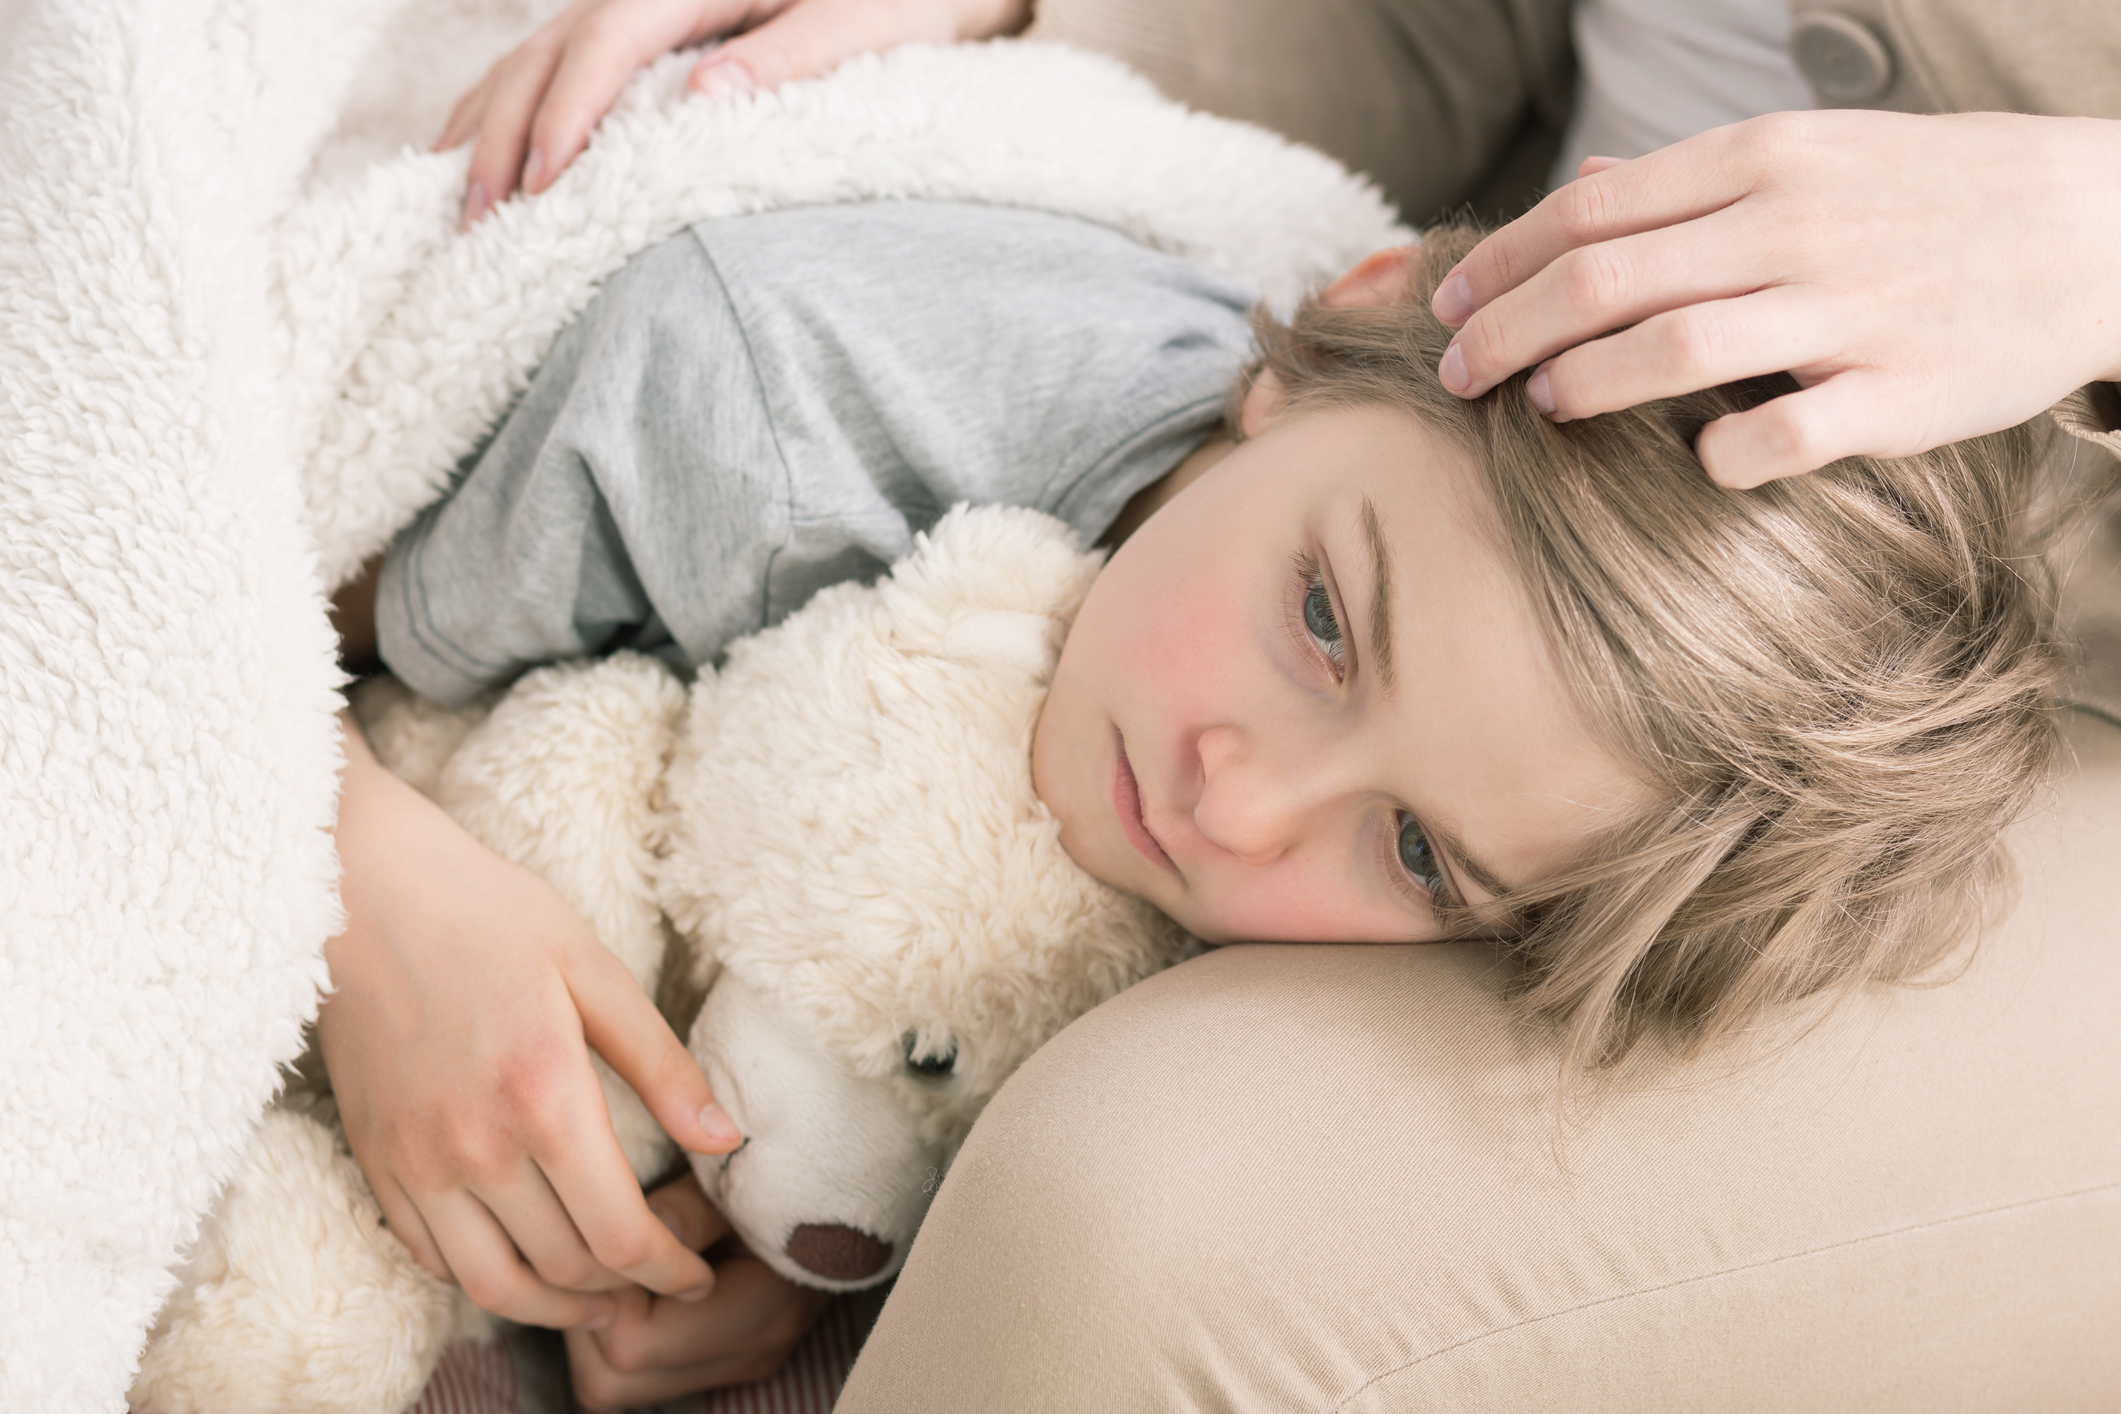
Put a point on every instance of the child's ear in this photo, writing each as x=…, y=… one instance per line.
x=1262, y=405
x=1377, y=280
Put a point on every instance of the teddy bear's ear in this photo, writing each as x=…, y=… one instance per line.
x=1006, y=636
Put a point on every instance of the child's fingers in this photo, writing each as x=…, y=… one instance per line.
x=545, y=1233
x=622, y=1025
x=486, y=1265
x=623, y=1235
x=402, y=1216
x=658, y=1350
x=570, y=1136
x=683, y=1208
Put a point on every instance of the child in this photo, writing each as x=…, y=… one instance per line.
x=1381, y=664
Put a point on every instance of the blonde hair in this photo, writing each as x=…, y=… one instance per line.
x=1840, y=685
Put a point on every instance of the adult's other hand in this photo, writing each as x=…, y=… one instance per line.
x=532, y=113
x=1925, y=279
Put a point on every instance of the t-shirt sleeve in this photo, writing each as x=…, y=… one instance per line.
x=766, y=405
x=643, y=437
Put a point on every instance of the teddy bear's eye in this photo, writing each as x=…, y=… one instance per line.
x=929, y=1067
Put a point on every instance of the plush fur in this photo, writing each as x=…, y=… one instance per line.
x=243, y=343
x=849, y=850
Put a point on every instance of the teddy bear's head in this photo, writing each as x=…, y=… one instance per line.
x=872, y=890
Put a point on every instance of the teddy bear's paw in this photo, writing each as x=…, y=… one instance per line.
x=980, y=577
x=295, y=1296
x=1008, y=637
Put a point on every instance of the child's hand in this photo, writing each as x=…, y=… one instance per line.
x=467, y=997
x=656, y=1349
x=533, y=111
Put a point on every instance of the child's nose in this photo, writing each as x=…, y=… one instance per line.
x=1250, y=804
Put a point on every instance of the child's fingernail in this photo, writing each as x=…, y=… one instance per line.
x=1453, y=369
x=724, y=77
x=1540, y=391
x=1454, y=300
x=533, y=169
x=698, y=1293
x=719, y=1126
x=599, y=1321
x=475, y=203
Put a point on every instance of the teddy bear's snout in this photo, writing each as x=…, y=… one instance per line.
x=837, y=1252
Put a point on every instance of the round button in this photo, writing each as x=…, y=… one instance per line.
x=1842, y=57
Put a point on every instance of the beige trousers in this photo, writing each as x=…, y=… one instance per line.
x=1313, y=1178
x=1441, y=101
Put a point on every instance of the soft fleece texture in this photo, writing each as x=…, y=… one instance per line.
x=241, y=342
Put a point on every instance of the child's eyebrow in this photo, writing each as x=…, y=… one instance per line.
x=1448, y=843
x=1373, y=534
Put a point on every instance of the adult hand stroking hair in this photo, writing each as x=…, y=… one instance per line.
x=1925, y=279
x=532, y=113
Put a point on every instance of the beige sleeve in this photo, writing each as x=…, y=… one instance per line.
x=1329, y=1178
x=2059, y=57
x=1425, y=96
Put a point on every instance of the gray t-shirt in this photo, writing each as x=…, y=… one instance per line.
x=765, y=405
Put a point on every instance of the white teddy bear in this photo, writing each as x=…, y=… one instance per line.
x=835, y=835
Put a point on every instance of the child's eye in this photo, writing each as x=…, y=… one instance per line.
x=1417, y=858
x=1320, y=621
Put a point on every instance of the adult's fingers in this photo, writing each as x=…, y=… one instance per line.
x=1687, y=180
x=622, y=1025
x=1697, y=346
x=485, y=1263
x=519, y=82
x=1586, y=292
x=806, y=39
x=606, y=49
x=466, y=114
x=582, y=1161
x=1848, y=414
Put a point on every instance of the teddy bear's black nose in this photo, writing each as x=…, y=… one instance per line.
x=837, y=1252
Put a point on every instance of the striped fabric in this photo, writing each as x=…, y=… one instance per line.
x=471, y=1379
x=523, y=1372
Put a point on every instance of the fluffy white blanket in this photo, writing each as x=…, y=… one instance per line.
x=241, y=342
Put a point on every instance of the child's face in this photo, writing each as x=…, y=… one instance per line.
x=1310, y=693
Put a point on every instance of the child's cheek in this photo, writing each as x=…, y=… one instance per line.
x=1195, y=663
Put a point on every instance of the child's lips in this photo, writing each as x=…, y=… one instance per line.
x=1127, y=804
